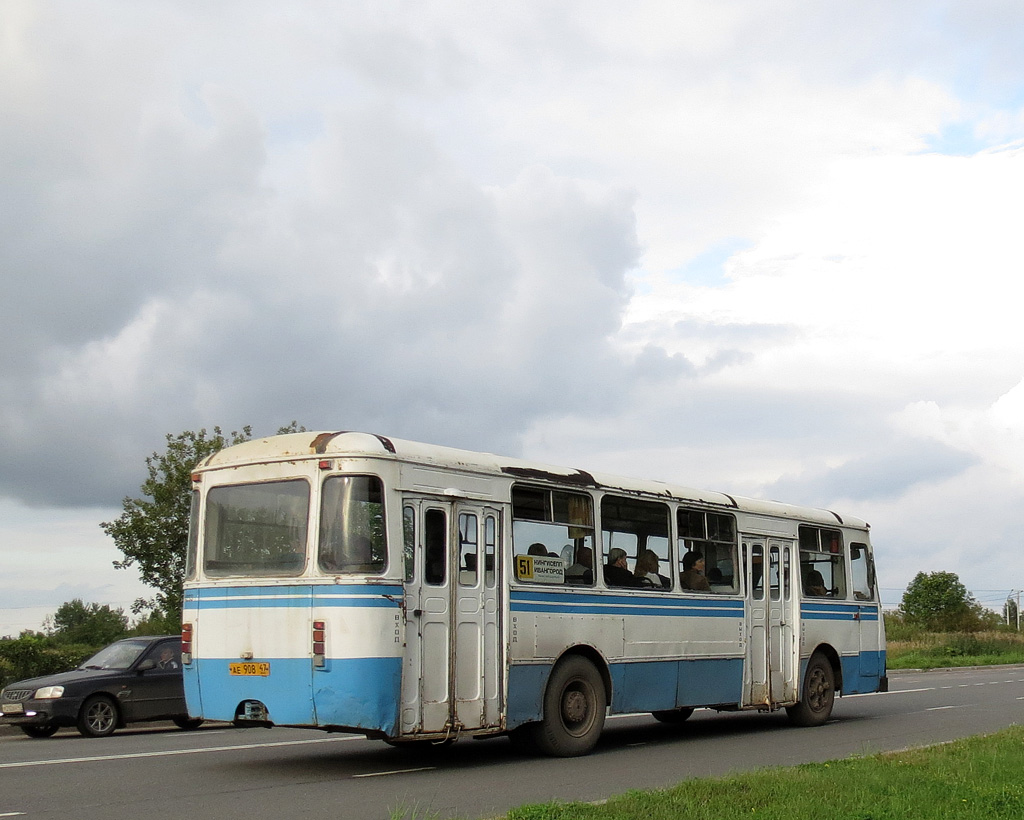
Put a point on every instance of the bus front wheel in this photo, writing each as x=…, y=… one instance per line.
x=818, y=695
x=574, y=709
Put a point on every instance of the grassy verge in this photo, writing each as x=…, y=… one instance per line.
x=928, y=650
x=972, y=778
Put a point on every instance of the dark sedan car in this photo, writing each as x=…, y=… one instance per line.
x=131, y=680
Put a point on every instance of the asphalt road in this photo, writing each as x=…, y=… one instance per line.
x=159, y=772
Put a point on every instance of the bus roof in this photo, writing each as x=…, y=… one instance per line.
x=291, y=446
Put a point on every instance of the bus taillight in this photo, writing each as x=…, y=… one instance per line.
x=186, y=643
x=319, y=653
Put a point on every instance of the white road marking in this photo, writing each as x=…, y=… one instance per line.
x=396, y=771
x=891, y=692
x=939, y=708
x=172, y=752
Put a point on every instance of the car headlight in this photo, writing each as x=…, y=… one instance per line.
x=49, y=692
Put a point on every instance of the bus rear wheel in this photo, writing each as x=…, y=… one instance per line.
x=818, y=695
x=574, y=709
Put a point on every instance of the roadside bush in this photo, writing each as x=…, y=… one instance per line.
x=33, y=655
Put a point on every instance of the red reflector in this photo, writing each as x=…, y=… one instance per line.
x=326, y=464
x=319, y=624
x=196, y=477
x=318, y=634
x=318, y=648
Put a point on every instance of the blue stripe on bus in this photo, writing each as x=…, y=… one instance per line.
x=305, y=587
x=597, y=598
x=591, y=604
x=293, y=602
x=334, y=595
x=839, y=612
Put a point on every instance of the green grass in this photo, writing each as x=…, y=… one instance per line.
x=979, y=777
x=928, y=650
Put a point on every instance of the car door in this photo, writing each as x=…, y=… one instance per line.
x=156, y=688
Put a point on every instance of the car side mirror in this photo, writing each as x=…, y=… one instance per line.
x=146, y=665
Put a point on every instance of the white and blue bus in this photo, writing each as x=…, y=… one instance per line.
x=409, y=592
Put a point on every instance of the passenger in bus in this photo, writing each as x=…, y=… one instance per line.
x=692, y=576
x=646, y=570
x=814, y=583
x=582, y=572
x=616, y=572
x=537, y=549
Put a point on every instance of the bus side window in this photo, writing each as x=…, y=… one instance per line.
x=468, y=550
x=637, y=531
x=435, y=547
x=409, y=541
x=552, y=536
x=822, y=562
x=757, y=572
x=712, y=536
x=863, y=583
x=490, y=546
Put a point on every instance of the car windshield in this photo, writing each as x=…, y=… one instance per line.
x=118, y=655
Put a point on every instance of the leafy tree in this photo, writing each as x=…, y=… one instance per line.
x=153, y=530
x=76, y=622
x=157, y=622
x=938, y=601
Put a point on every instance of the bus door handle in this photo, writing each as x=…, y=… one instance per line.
x=417, y=612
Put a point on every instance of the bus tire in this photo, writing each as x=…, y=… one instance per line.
x=574, y=709
x=188, y=724
x=680, y=715
x=817, y=696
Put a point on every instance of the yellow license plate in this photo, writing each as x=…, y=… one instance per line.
x=260, y=670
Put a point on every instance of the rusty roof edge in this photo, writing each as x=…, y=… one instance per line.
x=578, y=478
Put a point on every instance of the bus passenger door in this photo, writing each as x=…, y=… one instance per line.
x=769, y=675
x=782, y=648
x=476, y=662
x=756, y=664
x=451, y=671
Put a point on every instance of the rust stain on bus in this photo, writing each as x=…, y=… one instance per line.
x=319, y=444
x=578, y=478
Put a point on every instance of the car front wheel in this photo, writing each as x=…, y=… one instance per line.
x=97, y=717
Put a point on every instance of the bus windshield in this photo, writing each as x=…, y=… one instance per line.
x=256, y=529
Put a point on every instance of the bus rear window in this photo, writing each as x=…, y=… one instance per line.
x=256, y=529
x=352, y=525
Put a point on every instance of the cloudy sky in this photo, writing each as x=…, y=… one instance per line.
x=770, y=248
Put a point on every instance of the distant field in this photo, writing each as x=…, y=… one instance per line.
x=974, y=778
x=929, y=650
